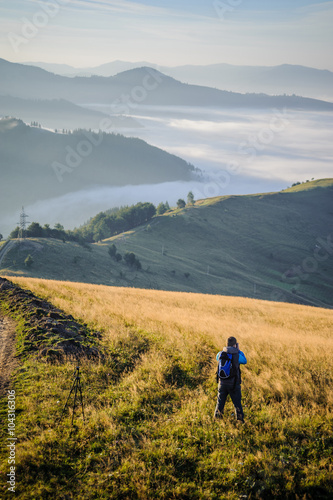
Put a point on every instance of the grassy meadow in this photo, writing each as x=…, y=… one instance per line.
x=149, y=430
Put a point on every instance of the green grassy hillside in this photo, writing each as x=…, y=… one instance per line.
x=305, y=186
x=275, y=246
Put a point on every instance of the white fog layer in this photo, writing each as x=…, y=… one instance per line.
x=238, y=152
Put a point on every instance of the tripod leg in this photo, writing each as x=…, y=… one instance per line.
x=81, y=400
x=63, y=411
x=76, y=384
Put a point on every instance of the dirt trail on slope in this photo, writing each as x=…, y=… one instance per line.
x=5, y=249
x=7, y=348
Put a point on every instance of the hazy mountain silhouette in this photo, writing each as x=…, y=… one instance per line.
x=59, y=114
x=107, y=69
x=136, y=86
x=283, y=79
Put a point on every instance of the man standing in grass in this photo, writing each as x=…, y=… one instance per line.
x=231, y=384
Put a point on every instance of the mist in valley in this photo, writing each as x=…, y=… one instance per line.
x=237, y=151
x=277, y=146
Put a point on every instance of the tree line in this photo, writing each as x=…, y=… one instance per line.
x=103, y=225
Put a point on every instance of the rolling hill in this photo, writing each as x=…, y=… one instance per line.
x=134, y=87
x=48, y=164
x=272, y=246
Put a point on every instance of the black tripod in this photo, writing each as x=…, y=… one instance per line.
x=75, y=387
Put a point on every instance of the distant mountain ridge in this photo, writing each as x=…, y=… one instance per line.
x=107, y=69
x=284, y=78
x=273, y=80
x=134, y=87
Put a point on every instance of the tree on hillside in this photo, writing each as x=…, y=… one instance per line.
x=47, y=231
x=107, y=224
x=101, y=229
x=181, y=203
x=1, y=237
x=190, y=198
x=35, y=230
x=160, y=209
x=131, y=260
x=137, y=264
x=29, y=261
x=112, y=250
x=118, y=257
x=59, y=232
x=114, y=254
x=14, y=234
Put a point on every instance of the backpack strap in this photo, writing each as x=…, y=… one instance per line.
x=236, y=372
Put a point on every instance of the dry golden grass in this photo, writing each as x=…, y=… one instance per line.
x=155, y=416
x=212, y=317
x=277, y=338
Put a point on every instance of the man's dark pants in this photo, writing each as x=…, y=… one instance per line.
x=236, y=397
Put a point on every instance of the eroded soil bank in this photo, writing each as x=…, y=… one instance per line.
x=41, y=328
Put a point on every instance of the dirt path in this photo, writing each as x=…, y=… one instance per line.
x=7, y=347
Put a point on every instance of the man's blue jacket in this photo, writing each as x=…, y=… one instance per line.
x=242, y=359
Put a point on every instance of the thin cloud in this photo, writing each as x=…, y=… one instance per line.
x=122, y=7
x=96, y=32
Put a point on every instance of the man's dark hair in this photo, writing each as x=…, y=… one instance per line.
x=232, y=341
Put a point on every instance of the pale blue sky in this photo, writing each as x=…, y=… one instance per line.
x=168, y=32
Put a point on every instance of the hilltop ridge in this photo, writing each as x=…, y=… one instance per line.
x=272, y=246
